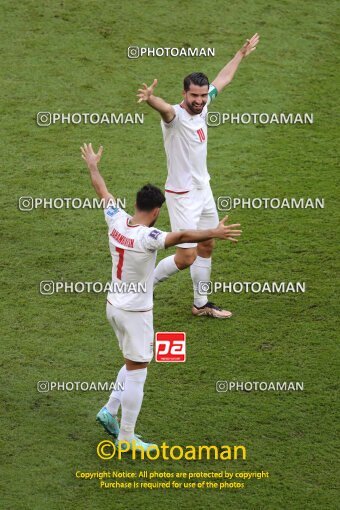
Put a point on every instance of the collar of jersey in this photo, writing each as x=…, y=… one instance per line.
x=132, y=226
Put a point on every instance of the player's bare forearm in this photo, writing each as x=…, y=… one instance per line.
x=97, y=181
x=165, y=109
x=226, y=75
x=157, y=103
x=92, y=159
x=188, y=236
x=222, y=231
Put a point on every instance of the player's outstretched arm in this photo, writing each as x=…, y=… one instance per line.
x=157, y=103
x=92, y=160
x=222, y=231
x=225, y=76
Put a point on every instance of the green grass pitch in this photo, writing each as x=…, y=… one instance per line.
x=70, y=56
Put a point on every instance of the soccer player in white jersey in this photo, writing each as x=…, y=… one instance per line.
x=188, y=194
x=133, y=243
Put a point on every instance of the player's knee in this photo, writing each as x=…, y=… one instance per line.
x=185, y=258
x=205, y=248
x=135, y=365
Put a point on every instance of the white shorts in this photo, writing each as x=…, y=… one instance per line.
x=194, y=210
x=134, y=331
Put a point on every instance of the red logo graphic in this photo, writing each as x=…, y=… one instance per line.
x=201, y=135
x=170, y=347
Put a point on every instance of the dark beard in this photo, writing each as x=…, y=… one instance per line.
x=194, y=111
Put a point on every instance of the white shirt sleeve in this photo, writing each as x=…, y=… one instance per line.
x=112, y=213
x=153, y=239
x=174, y=121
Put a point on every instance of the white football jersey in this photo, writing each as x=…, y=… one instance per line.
x=134, y=250
x=185, y=142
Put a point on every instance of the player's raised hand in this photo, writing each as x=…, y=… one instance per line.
x=146, y=92
x=228, y=231
x=89, y=156
x=250, y=45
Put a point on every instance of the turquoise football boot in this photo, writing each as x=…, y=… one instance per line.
x=109, y=422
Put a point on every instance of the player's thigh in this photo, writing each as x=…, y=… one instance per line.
x=209, y=215
x=111, y=314
x=136, y=340
x=184, y=212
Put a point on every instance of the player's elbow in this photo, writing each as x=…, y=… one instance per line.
x=168, y=115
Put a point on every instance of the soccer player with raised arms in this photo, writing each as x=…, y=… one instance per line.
x=133, y=243
x=189, y=198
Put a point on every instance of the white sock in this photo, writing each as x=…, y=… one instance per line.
x=200, y=272
x=131, y=401
x=165, y=268
x=114, y=401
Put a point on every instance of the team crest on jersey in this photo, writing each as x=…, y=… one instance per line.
x=155, y=233
x=111, y=211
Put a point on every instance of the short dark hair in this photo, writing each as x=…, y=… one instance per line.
x=199, y=79
x=149, y=197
